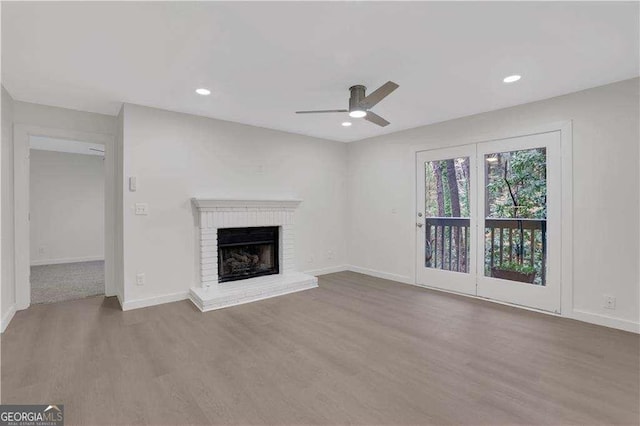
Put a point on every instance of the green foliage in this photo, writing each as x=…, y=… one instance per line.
x=516, y=267
x=517, y=188
x=517, y=184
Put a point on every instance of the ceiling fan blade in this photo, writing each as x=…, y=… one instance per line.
x=379, y=94
x=376, y=119
x=322, y=111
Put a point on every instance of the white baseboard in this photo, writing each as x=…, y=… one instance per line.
x=66, y=260
x=6, y=318
x=380, y=274
x=329, y=270
x=152, y=301
x=605, y=321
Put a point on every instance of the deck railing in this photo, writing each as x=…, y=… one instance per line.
x=506, y=240
x=447, y=243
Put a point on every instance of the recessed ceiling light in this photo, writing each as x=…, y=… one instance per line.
x=512, y=78
x=203, y=92
x=357, y=113
x=346, y=124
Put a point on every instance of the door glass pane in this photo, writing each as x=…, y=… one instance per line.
x=516, y=215
x=447, y=214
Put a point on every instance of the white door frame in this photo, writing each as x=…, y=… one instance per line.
x=566, y=149
x=21, y=135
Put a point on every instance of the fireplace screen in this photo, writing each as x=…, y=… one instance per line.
x=247, y=252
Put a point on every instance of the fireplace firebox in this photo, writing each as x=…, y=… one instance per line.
x=247, y=252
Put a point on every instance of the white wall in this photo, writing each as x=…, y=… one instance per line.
x=67, y=207
x=63, y=118
x=605, y=193
x=7, y=293
x=178, y=156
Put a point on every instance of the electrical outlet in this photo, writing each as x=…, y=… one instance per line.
x=142, y=209
x=310, y=259
x=41, y=250
x=609, y=302
x=330, y=255
x=140, y=279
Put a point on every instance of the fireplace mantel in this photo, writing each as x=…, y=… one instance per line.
x=209, y=204
x=217, y=213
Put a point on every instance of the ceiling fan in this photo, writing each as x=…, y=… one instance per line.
x=360, y=104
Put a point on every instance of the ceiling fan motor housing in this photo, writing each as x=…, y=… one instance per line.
x=357, y=95
x=360, y=104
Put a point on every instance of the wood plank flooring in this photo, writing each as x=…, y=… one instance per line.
x=357, y=350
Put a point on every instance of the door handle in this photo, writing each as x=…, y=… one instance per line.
x=419, y=225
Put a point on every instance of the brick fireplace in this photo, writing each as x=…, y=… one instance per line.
x=246, y=252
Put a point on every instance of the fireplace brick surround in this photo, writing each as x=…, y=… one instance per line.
x=214, y=214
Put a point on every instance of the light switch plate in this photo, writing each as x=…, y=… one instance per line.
x=133, y=184
x=142, y=208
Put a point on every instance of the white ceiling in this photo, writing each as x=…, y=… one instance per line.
x=263, y=61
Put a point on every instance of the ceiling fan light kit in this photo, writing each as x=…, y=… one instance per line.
x=360, y=104
x=356, y=109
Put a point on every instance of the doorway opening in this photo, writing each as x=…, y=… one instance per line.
x=66, y=219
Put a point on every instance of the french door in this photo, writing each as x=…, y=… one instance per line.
x=488, y=220
x=446, y=218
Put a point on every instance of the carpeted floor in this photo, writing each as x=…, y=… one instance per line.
x=66, y=281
